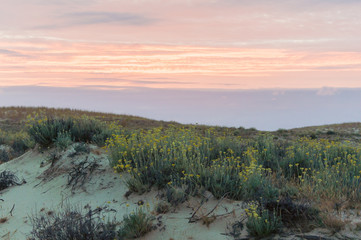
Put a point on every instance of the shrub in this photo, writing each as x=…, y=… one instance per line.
x=80, y=148
x=20, y=145
x=4, y=155
x=47, y=132
x=162, y=207
x=72, y=223
x=135, y=184
x=176, y=195
x=136, y=224
x=261, y=222
x=63, y=140
x=90, y=130
x=8, y=179
x=294, y=214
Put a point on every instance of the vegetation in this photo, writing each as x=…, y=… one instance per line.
x=136, y=224
x=261, y=222
x=284, y=175
x=8, y=179
x=72, y=223
x=62, y=132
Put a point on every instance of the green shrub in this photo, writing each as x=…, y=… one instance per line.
x=90, y=130
x=20, y=145
x=80, y=148
x=4, y=155
x=46, y=132
x=63, y=140
x=261, y=222
x=176, y=195
x=136, y=224
x=135, y=184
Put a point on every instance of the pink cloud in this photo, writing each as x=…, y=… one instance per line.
x=61, y=63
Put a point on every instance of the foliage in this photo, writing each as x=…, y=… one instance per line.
x=162, y=207
x=4, y=155
x=18, y=141
x=261, y=222
x=136, y=224
x=63, y=140
x=45, y=132
x=8, y=179
x=80, y=148
x=184, y=157
x=241, y=168
x=176, y=195
x=72, y=223
x=61, y=131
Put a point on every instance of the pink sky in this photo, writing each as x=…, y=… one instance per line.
x=215, y=44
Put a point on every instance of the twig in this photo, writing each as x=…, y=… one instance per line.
x=11, y=211
x=220, y=200
x=192, y=219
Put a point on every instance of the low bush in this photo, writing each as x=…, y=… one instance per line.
x=72, y=223
x=136, y=224
x=56, y=130
x=63, y=140
x=261, y=222
x=162, y=207
x=176, y=195
x=4, y=155
x=8, y=179
x=293, y=214
x=79, y=149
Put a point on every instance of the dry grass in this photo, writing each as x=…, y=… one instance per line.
x=333, y=223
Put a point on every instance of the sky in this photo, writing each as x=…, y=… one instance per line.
x=252, y=63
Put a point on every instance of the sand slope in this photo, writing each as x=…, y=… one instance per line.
x=47, y=189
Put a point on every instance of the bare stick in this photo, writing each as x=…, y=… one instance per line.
x=11, y=211
x=220, y=200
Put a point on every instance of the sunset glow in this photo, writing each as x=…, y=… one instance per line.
x=208, y=45
x=163, y=66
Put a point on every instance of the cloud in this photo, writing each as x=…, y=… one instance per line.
x=107, y=17
x=11, y=53
x=163, y=81
x=91, y=18
x=327, y=91
x=339, y=67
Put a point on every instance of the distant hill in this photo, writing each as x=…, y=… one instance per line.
x=12, y=119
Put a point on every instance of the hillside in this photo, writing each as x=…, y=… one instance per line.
x=123, y=177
